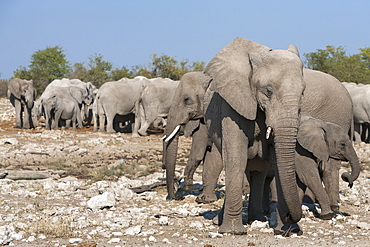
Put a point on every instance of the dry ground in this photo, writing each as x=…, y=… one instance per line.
x=100, y=159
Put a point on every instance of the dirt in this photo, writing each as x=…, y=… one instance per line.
x=92, y=156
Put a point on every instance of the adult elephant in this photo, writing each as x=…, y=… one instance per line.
x=155, y=102
x=118, y=98
x=22, y=95
x=360, y=95
x=244, y=77
x=88, y=87
x=55, y=96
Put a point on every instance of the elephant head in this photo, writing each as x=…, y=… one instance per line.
x=328, y=140
x=23, y=90
x=184, y=117
x=248, y=76
x=80, y=95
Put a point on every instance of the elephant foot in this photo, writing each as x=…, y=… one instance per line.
x=142, y=133
x=111, y=131
x=328, y=216
x=202, y=198
x=334, y=207
x=101, y=130
x=288, y=233
x=135, y=135
x=233, y=226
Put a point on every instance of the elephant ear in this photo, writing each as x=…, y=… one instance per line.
x=231, y=72
x=77, y=94
x=15, y=87
x=312, y=136
x=294, y=49
x=190, y=127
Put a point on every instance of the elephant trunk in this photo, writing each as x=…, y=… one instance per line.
x=285, y=134
x=351, y=156
x=169, y=162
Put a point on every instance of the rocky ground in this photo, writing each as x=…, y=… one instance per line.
x=86, y=199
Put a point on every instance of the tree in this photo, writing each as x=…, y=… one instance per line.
x=46, y=65
x=334, y=61
x=97, y=70
x=117, y=73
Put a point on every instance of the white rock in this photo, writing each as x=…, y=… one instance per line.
x=363, y=225
x=152, y=239
x=114, y=240
x=5, y=233
x=75, y=240
x=163, y=220
x=133, y=230
x=215, y=235
x=105, y=200
x=196, y=224
x=259, y=224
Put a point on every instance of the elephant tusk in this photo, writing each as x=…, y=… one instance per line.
x=164, y=137
x=173, y=133
x=268, y=132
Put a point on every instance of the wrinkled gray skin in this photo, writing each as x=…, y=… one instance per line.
x=74, y=94
x=22, y=95
x=118, y=98
x=87, y=86
x=315, y=102
x=80, y=92
x=360, y=94
x=155, y=102
x=57, y=109
x=317, y=141
x=244, y=77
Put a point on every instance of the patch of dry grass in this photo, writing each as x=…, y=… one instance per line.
x=58, y=227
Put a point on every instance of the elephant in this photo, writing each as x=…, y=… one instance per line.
x=74, y=94
x=155, y=102
x=118, y=98
x=360, y=95
x=22, y=95
x=57, y=109
x=190, y=103
x=90, y=89
x=316, y=142
x=246, y=79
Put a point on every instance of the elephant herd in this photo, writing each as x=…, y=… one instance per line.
x=254, y=112
x=68, y=102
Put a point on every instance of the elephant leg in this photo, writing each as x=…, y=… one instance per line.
x=357, y=131
x=95, y=119
x=18, y=113
x=267, y=198
x=312, y=180
x=110, y=122
x=255, y=205
x=212, y=168
x=102, y=120
x=198, y=151
x=330, y=178
x=235, y=157
x=27, y=123
x=149, y=117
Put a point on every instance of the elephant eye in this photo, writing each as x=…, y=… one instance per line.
x=187, y=100
x=268, y=91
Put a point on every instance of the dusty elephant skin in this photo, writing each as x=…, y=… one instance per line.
x=54, y=211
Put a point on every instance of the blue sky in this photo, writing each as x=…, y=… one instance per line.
x=129, y=32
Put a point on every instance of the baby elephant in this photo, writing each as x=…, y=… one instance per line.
x=318, y=141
